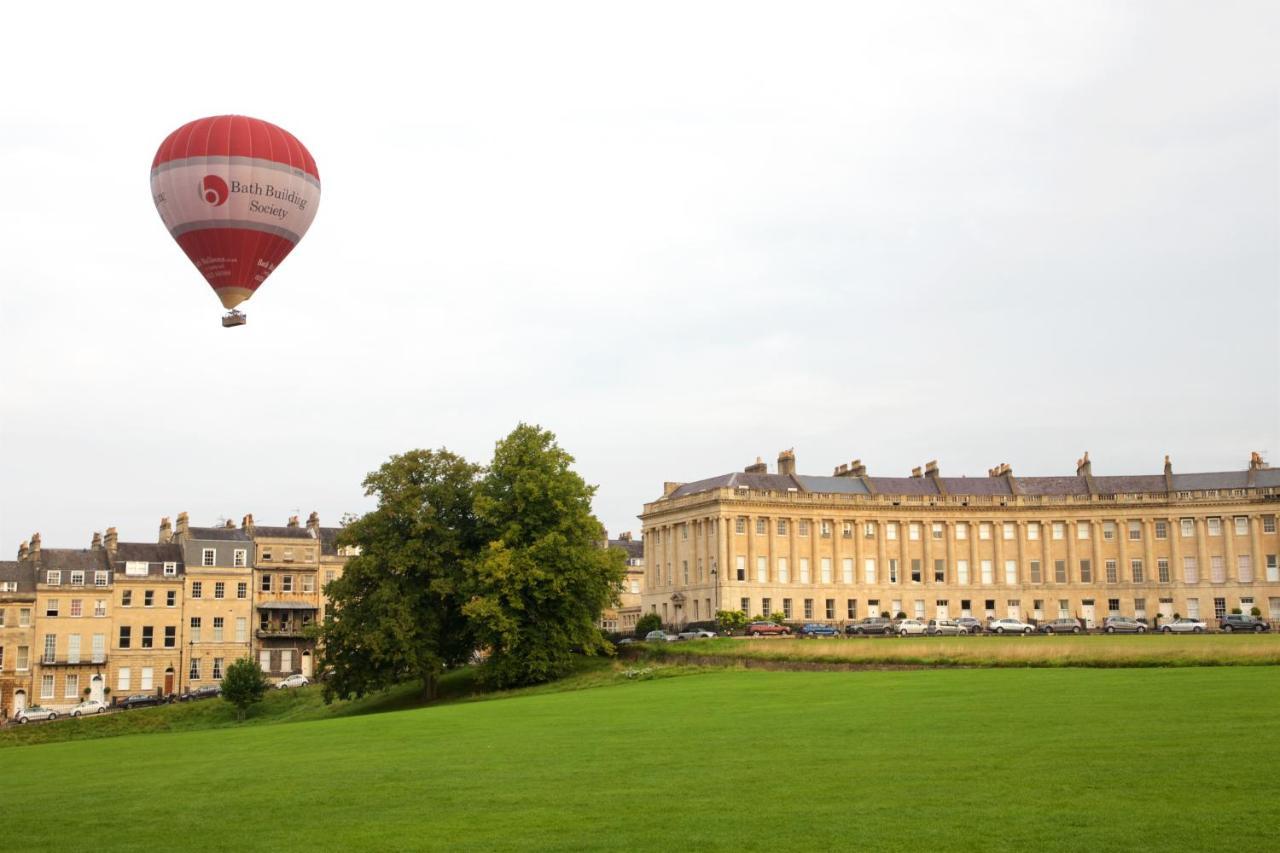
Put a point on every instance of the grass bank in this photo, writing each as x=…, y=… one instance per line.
x=283, y=706
x=988, y=760
x=1094, y=651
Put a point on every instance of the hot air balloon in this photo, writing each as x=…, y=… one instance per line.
x=237, y=193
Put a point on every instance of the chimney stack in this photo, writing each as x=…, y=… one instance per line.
x=246, y=523
x=293, y=521
x=624, y=536
x=183, y=524
x=1255, y=465
x=111, y=540
x=1084, y=468
x=758, y=468
x=166, y=531
x=22, y=551
x=1168, y=474
x=916, y=473
x=931, y=468
x=787, y=462
x=842, y=470
x=857, y=468
x=35, y=547
x=96, y=544
x=313, y=524
x=229, y=524
x=669, y=487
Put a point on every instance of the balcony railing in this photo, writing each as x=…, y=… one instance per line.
x=99, y=660
x=282, y=631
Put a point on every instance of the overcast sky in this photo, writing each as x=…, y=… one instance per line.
x=680, y=236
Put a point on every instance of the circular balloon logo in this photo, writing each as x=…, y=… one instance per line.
x=213, y=190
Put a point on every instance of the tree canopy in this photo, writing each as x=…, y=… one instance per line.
x=243, y=684
x=507, y=560
x=397, y=608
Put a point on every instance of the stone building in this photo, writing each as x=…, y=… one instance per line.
x=217, y=603
x=837, y=548
x=146, y=614
x=623, y=617
x=286, y=579
x=72, y=622
x=17, y=632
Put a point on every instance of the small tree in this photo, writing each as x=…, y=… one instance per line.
x=243, y=684
x=901, y=615
x=1256, y=613
x=731, y=620
x=1236, y=611
x=648, y=622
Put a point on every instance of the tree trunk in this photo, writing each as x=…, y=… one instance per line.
x=430, y=687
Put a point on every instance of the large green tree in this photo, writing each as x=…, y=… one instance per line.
x=396, y=611
x=542, y=576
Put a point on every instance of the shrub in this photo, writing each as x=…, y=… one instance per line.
x=1256, y=613
x=646, y=623
x=900, y=615
x=1236, y=611
x=731, y=620
x=243, y=685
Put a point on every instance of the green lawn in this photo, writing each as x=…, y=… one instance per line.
x=984, y=650
x=997, y=759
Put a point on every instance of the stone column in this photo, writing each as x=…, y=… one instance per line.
x=997, y=553
x=1046, y=546
x=926, y=555
x=1096, y=533
x=1122, y=559
x=1229, y=535
x=1256, y=557
x=1202, y=555
x=1070, y=531
x=1175, y=552
x=1149, y=554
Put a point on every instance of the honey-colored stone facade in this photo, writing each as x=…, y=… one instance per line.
x=932, y=547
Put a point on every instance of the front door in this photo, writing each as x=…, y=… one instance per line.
x=941, y=612
x=1086, y=614
x=168, y=682
x=19, y=702
x=95, y=688
x=1015, y=612
x=306, y=663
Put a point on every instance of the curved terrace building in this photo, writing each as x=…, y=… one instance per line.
x=838, y=548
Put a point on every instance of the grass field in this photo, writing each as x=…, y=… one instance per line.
x=986, y=651
x=995, y=759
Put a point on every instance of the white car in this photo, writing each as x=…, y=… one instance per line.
x=910, y=627
x=696, y=634
x=88, y=706
x=1184, y=625
x=35, y=712
x=1009, y=625
x=294, y=680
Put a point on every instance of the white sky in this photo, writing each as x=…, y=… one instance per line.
x=679, y=235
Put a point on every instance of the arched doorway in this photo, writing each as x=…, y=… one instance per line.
x=19, y=702
x=306, y=663
x=168, y=681
x=95, y=688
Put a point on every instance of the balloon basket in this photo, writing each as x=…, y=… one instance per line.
x=233, y=318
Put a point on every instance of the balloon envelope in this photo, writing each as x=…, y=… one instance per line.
x=237, y=194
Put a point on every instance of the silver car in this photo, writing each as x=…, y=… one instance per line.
x=945, y=628
x=35, y=712
x=660, y=637
x=696, y=634
x=88, y=706
x=1185, y=625
x=1009, y=625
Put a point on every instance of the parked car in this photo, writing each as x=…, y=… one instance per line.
x=625, y=641
x=140, y=700
x=817, y=629
x=1123, y=625
x=209, y=691
x=870, y=625
x=944, y=628
x=910, y=628
x=35, y=712
x=1184, y=625
x=970, y=624
x=89, y=706
x=1009, y=625
x=1233, y=622
x=696, y=634
x=1065, y=625
x=294, y=680
x=756, y=629
x=660, y=637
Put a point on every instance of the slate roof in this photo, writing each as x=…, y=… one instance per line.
x=633, y=547
x=219, y=534
x=73, y=559
x=22, y=572
x=329, y=541
x=263, y=531
x=154, y=554
x=990, y=486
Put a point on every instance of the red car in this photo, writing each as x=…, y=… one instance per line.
x=756, y=629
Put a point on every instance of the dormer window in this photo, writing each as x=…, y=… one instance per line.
x=136, y=568
x=170, y=570
x=207, y=557
x=54, y=577
x=99, y=578
x=77, y=578
x=238, y=557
